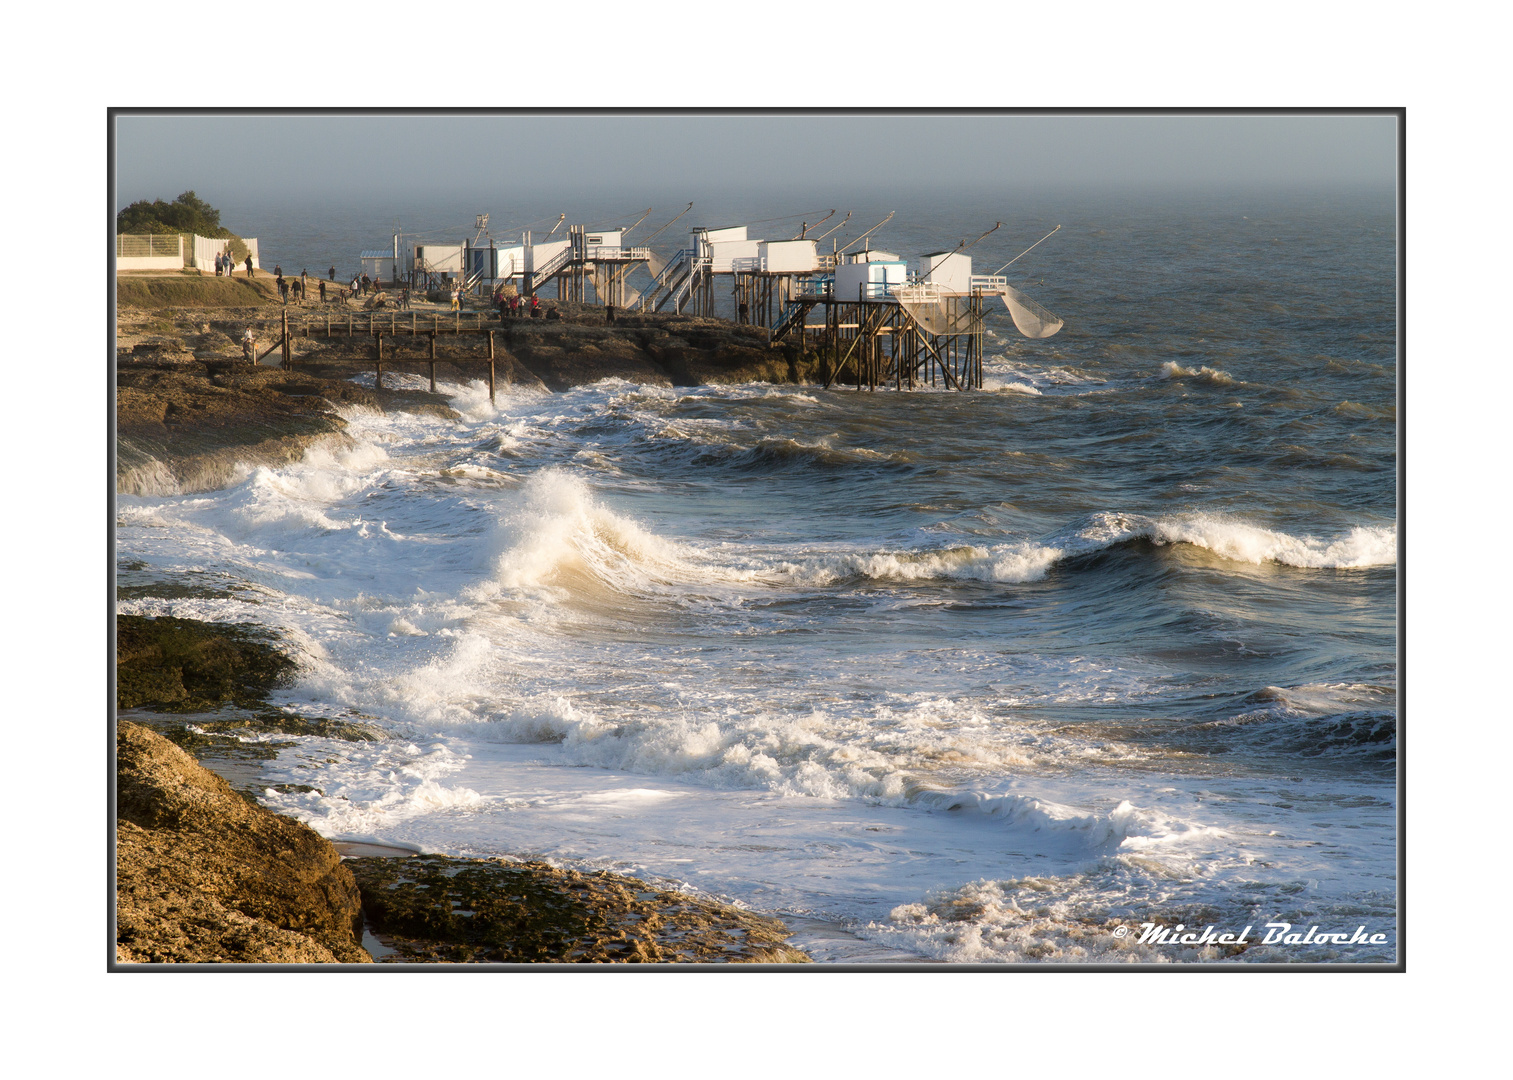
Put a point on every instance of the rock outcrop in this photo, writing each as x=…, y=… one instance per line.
x=432, y=908
x=186, y=427
x=204, y=876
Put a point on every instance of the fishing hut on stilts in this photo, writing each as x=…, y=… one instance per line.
x=885, y=322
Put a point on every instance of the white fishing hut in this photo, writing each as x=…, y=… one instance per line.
x=439, y=258
x=869, y=275
x=787, y=257
x=951, y=270
x=723, y=247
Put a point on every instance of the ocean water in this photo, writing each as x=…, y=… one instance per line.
x=988, y=677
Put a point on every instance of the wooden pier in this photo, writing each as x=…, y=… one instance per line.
x=391, y=324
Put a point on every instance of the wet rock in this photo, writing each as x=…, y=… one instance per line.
x=183, y=664
x=204, y=876
x=187, y=427
x=432, y=908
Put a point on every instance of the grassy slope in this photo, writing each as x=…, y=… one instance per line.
x=195, y=290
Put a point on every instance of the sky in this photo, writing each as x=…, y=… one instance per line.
x=238, y=157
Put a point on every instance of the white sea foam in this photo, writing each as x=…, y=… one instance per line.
x=1173, y=370
x=1231, y=538
x=994, y=384
x=557, y=528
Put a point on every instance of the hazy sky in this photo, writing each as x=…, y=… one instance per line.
x=240, y=157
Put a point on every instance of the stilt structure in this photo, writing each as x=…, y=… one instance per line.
x=873, y=342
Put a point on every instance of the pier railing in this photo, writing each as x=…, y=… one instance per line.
x=616, y=254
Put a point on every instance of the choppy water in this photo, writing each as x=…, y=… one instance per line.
x=973, y=677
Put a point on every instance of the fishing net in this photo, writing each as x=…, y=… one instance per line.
x=937, y=312
x=1032, y=320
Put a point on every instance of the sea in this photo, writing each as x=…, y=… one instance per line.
x=1096, y=665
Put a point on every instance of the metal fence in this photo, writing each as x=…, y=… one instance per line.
x=166, y=245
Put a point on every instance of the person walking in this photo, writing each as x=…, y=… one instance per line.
x=322, y=292
x=249, y=265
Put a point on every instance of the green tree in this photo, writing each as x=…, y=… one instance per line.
x=187, y=214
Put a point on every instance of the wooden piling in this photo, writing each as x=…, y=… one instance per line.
x=433, y=361
x=491, y=367
x=378, y=380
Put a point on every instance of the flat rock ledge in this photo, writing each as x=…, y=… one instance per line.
x=443, y=910
x=205, y=877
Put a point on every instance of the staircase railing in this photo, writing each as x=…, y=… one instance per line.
x=696, y=266
x=793, y=314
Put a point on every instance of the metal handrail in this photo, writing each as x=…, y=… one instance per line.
x=620, y=254
x=555, y=263
x=698, y=264
x=670, y=271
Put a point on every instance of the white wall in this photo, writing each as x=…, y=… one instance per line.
x=543, y=253
x=951, y=270
x=150, y=262
x=789, y=256
x=722, y=253
x=439, y=258
x=849, y=276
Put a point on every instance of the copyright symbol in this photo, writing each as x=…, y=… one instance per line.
x=1121, y=931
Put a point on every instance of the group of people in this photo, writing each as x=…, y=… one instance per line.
x=516, y=306
x=225, y=264
x=295, y=286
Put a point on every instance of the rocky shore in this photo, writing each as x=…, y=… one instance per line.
x=189, y=412
x=204, y=874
